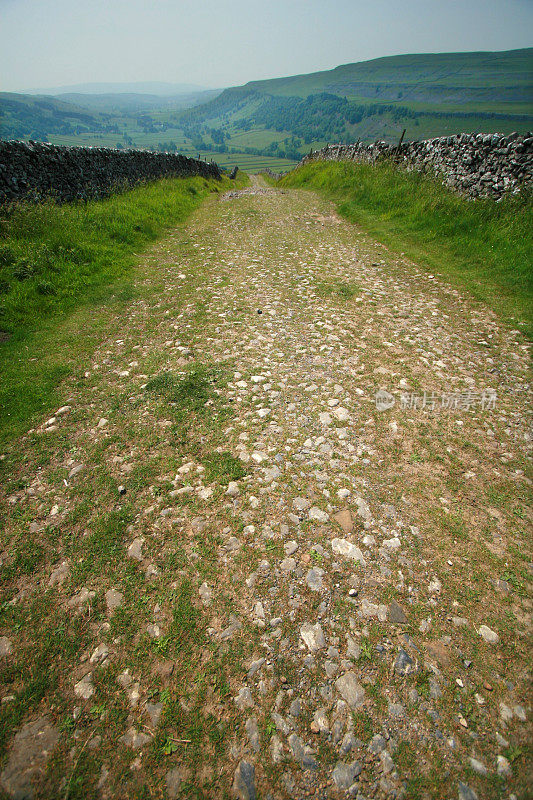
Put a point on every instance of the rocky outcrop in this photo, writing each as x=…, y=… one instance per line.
x=481, y=165
x=34, y=171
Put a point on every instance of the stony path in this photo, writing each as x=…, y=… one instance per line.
x=259, y=580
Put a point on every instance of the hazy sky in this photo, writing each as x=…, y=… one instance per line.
x=227, y=42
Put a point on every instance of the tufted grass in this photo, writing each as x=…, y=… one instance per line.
x=482, y=246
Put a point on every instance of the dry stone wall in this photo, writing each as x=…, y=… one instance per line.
x=34, y=171
x=274, y=175
x=477, y=165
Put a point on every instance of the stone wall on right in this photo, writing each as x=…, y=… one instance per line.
x=476, y=165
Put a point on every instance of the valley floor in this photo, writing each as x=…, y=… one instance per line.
x=228, y=571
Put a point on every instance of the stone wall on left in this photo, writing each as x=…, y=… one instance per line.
x=35, y=171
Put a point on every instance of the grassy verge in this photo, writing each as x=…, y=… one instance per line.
x=52, y=257
x=65, y=273
x=482, y=246
x=196, y=712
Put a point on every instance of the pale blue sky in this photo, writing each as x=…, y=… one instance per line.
x=228, y=42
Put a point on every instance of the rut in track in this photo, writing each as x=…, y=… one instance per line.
x=232, y=571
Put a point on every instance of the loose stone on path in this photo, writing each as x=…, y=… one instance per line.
x=28, y=756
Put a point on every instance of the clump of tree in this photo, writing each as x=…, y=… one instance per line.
x=319, y=117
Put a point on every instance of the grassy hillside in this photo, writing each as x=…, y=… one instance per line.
x=27, y=117
x=484, y=246
x=480, y=80
x=56, y=260
x=429, y=95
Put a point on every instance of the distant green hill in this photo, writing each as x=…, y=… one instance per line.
x=131, y=102
x=138, y=87
x=429, y=95
x=27, y=117
x=482, y=79
x=82, y=119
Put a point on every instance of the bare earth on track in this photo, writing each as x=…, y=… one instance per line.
x=228, y=572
